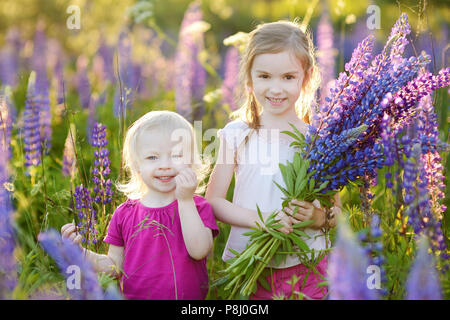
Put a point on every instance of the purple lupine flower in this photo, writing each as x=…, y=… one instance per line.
x=9, y=58
x=129, y=75
x=423, y=281
x=373, y=248
x=38, y=60
x=58, y=70
x=43, y=102
x=230, y=82
x=424, y=187
x=102, y=189
x=355, y=34
x=325, y=55
x=362, y=97
x=83, y=83
x=96, y=100
x=8, y=267
x=68, y=255
x=386, y=140
x=347, y=268
x=87, y=215
x=190, y=76
x=106, y=55
x=41, y=89
x=406, y=98
x=8, y=67
x=31, y=129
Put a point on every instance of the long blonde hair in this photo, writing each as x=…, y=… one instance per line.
x=276, y=37
x=167, y=122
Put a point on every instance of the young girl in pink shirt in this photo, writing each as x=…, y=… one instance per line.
x=161, y=236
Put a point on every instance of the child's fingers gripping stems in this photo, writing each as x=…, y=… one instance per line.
x=286, y=221
x=69, y=231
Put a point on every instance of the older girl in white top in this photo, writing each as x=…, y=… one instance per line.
x=279, y=73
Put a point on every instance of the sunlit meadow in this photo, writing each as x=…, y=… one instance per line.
x=72, y=79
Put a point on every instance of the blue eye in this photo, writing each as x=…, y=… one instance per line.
x=290, y=77
x=152, y=157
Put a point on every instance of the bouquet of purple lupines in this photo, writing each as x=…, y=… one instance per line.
x=345, y=145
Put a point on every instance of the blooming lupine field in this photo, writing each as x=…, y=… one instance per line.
x=72, y=79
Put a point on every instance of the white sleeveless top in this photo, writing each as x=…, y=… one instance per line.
x=257, y=168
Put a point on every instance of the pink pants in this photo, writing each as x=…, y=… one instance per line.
x=280, y=288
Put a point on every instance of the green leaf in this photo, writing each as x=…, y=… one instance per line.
x=36, y=189
x=299, y=242
x=290, y=134
x=322, y=186
x=263, y=282
x=259, y=213
x=299, y=186
x=312, y=182
x=283, y=171
x=303, y=224
x=302, y=234
x=297, y=164
x=290, y=179
x=276, y=235
x=300, y=136
x=285, y=192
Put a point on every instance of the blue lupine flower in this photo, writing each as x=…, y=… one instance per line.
x=367, y=95
x=41, y=87
x=347, y=269
x=87, y=214
x=326, y=54
x=423, y=281
x=106, y=53
x=230, y=82
x=102, y=189
x=82, y=82
x=190, y=77
x=129, y=75
x=67, y=254
x=31, y=129
x=8, y=267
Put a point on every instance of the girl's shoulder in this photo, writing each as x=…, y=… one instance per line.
x=236, y=124
x=129, y=204
x=234, y=132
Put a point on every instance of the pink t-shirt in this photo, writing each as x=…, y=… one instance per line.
x=156, y=263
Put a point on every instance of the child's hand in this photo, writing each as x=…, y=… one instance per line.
x=306, y=211
x=186, y=182
x=286, y=221
x=69, y=231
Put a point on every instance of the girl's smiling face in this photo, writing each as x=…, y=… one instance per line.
x=277, y=80
x=160, y=159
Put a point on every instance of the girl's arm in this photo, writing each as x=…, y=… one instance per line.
x=112, y=263
x=216, y=192
x=197, y=238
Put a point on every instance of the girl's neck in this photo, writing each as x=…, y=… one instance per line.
x=158, y=199
x=269, y=121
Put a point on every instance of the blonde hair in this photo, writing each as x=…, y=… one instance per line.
x=166, y=122
x=276, y=37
